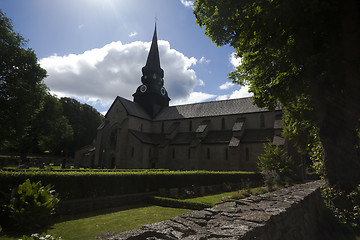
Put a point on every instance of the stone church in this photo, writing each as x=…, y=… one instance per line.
x=148, y=133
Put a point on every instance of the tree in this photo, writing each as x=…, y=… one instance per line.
x=303, y=54
x=84, y=120
x=21, y=88
x=276, y=166
x=51, y=129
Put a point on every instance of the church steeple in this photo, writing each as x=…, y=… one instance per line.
x=151, y=95
x=153, y=59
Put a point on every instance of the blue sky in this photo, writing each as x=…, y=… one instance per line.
x=93, y=50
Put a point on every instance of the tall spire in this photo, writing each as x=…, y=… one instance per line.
x=152, y=95
x=153, y=59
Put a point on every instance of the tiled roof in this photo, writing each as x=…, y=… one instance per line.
x=277, y=140
x=238, y=125
x=183, y=138
x=218, y=137
x=278, y=123
x=133, y=108
x=258, y=135
x=148, y=138
x=234, y=142
x=205, y=109
x=201, y=128
x=208, y=109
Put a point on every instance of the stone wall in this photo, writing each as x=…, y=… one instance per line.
x=290, y=213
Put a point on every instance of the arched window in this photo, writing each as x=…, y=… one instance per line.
x=173, y=153
x=132, y=152
x=190, y=126
x=149, y=152
x=246, y=154
x=262, y=121
x=208, y=153
x=223, y=123
x=226, y=154
x=162, y=127
x=189, y=153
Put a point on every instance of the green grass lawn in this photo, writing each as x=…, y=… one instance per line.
x=211, y=199
x=88, y=226
x=217, y=198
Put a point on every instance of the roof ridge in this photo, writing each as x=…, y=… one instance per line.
x=225, y=100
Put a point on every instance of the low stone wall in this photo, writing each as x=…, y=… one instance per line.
x=290, y=213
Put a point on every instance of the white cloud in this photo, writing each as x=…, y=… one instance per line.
x=101, y=74
x=235, y=61
x=194, y=97
x=133, y=34
x=80, y=26
x=226, y=85
x=187, y=3
x=243, y=92
x=204, y=60
x=222, y=97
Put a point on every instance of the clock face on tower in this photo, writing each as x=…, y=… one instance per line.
x=143, y=88
x=163, y=91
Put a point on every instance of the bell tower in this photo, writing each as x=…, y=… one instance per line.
x=152, y=95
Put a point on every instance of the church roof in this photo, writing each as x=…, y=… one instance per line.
x=209, y=109
x=258, y=135
x=218, y=137
x=132, y=108
x=205, y=109
x=148, y=138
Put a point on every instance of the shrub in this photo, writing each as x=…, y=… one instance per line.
x=75, y=185
x=31, y=206
x=345, y=206
x=178, y=203
x=276, y=166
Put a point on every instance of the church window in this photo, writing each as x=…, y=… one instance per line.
x=162, y=127
x=173, y=153
x=132, y=152
x=246, y=154
x=226, y=154
x=149, y=152
x=190, y=126
x=223, y=123
x=189, y=153
x=262, y=121
x=208, y=153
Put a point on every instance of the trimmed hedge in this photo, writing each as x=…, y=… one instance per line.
x=178, y=203
x=75, y=185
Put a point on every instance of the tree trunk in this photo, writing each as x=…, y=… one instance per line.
x=338, y=138
x=336, y=103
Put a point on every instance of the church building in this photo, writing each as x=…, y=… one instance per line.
x=148, y=133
